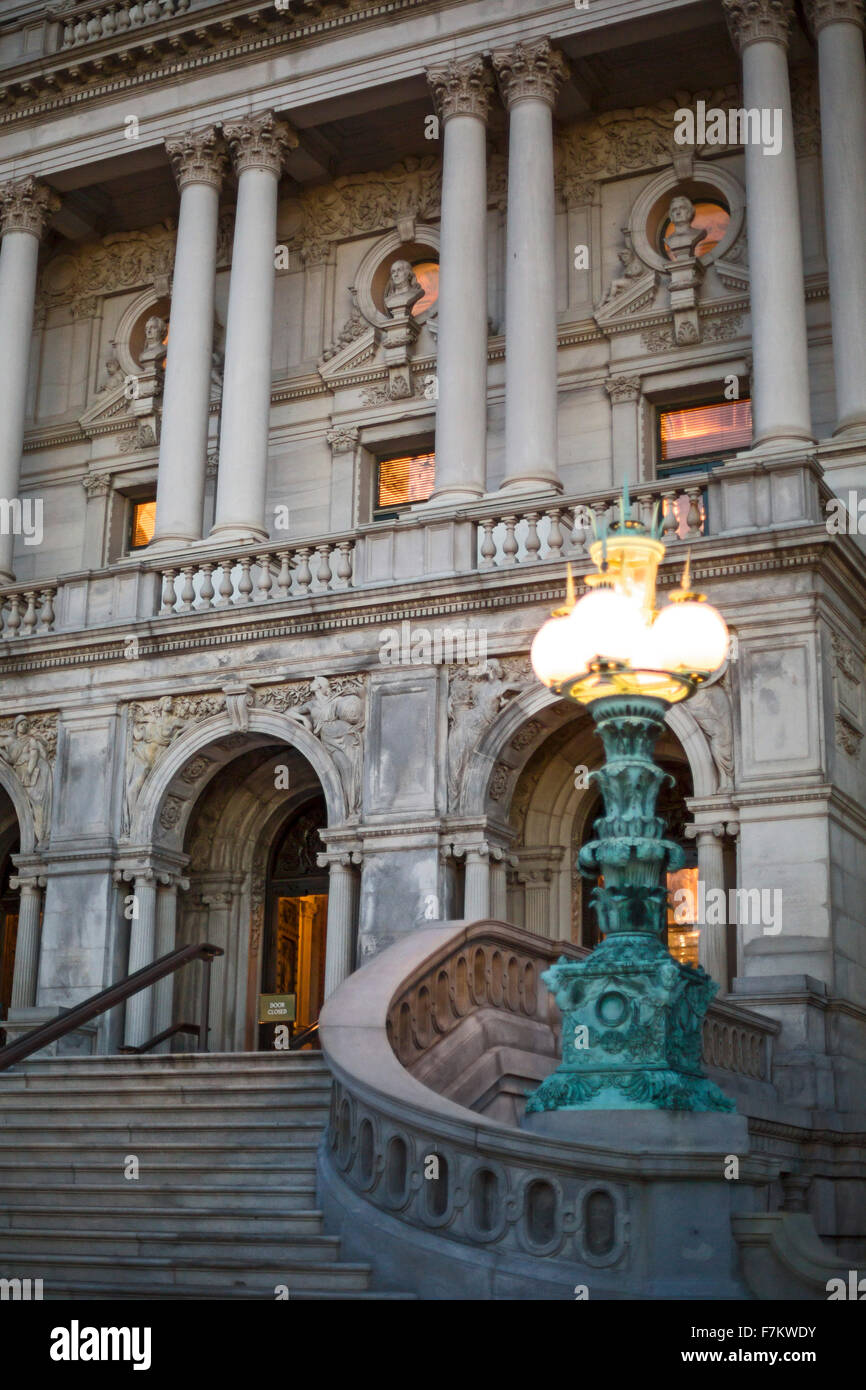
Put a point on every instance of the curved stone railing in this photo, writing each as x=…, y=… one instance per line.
x=450, y=1202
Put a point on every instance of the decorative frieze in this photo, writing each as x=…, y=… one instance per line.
x=26, y=206
x=756, y=21
x=260, y=142
x=461, y=88
x=198, y=156
x=357, y=203
x=530, y=70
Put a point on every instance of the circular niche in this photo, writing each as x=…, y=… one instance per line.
x=136, y=340
x=719, y=207
x=424, y=260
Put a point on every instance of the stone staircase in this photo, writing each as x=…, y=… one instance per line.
x=224, y=1206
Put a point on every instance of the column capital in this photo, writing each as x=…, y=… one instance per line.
x=623, y=388
x=26, y=206
x=343, y=858
x=530, y=70
x=260, y=142
x=461, y=87
x=820, y=13
x=757, y=21
x=198, y=156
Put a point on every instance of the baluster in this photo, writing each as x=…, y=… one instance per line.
x=122, y=18
x=601, y=510
x=227, y=587
x=265, y=580
x=109, y=23
x=509, y=545
x=555, y=538
x=304, y=576
x=187, y=593
x=68, y=34
x=245, y=583
x=28, y=622
x=488, y=545
x=94, y=28
x=46, y=610
x=323, y=573
x=581, y=529
x=671, y=520
x=694, y=517
x=151, y=9
x=206, y=591
x=81, y=30
x=284, y=578
x=532, y=542
x=169, y=597
x=136, y=13
x=344, y=564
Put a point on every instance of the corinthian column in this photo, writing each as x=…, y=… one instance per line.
x=461, y=91
x=26, y=970
x=142, y=930
x=842, y=80
x=340, y=940
x=25, y=207
x=199, y=163
x=780, y=384
x=530, y=76
x=258, y=146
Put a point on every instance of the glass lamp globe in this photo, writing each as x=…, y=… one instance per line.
x=608, y=624
x=556, y=652
x=691, y=636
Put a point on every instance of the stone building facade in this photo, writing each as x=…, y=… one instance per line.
x=219, y=219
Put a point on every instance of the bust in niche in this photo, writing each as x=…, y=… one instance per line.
x=402, y=290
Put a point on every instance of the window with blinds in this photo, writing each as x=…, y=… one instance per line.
x=141, y=523
x=698, y=431
x=402, y=481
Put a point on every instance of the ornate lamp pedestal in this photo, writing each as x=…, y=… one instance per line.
x=631, y=1015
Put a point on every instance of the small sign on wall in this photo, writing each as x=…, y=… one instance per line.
x=277, y=1008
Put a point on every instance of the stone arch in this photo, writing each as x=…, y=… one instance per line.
x=164, y=785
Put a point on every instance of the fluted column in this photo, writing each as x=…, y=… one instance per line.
x=26, y=971
x=199, y=162
x=838, y=25
x=461, y=91
x=340, y=940
x=25, y=207
x=712, y=936
x=530, y=76
x=166, y=934
x=780, y=384
x=258, y=148
x=499, y=885
x=476, y=895
x=142, y=940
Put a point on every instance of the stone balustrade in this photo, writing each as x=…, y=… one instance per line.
x=88, y=22
x=434, y=1180
x=25, y=611
x=531, y=531
x=257, y=576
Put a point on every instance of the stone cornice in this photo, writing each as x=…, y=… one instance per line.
x=26, y=206
x=198, y=156
x=530, y=70
x=820, y=13
x=260, y=142
x=757, y=21
x=461, y=88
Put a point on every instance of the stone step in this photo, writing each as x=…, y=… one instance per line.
x=212, y=1247
x=93, y=1112
x=123, y=1129
x=261, y=1090
x=191, y=1171
x=289, y=1154
x=72, y=1217
x=89, y=1292
x=148, y=1197
x=151, y=1274
x=178, y=1064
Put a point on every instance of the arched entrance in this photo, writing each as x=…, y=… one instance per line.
x=9, y=904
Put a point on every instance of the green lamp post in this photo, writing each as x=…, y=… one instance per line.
x=632, y=1015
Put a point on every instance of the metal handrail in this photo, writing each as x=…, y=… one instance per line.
x=70, y=1019
x=302, y=1037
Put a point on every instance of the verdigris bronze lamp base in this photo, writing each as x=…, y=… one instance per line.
x=632, y=1015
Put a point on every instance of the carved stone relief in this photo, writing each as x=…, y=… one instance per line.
x=711, y=709
x=475, y=697
x=28, y=745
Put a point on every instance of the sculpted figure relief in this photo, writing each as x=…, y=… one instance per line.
x=337, y=719
x=712, y=713
x=151, y=733
x=27, y=755
x=475, y=697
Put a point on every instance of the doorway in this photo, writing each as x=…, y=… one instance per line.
x=9, y=906
x=296, y=921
